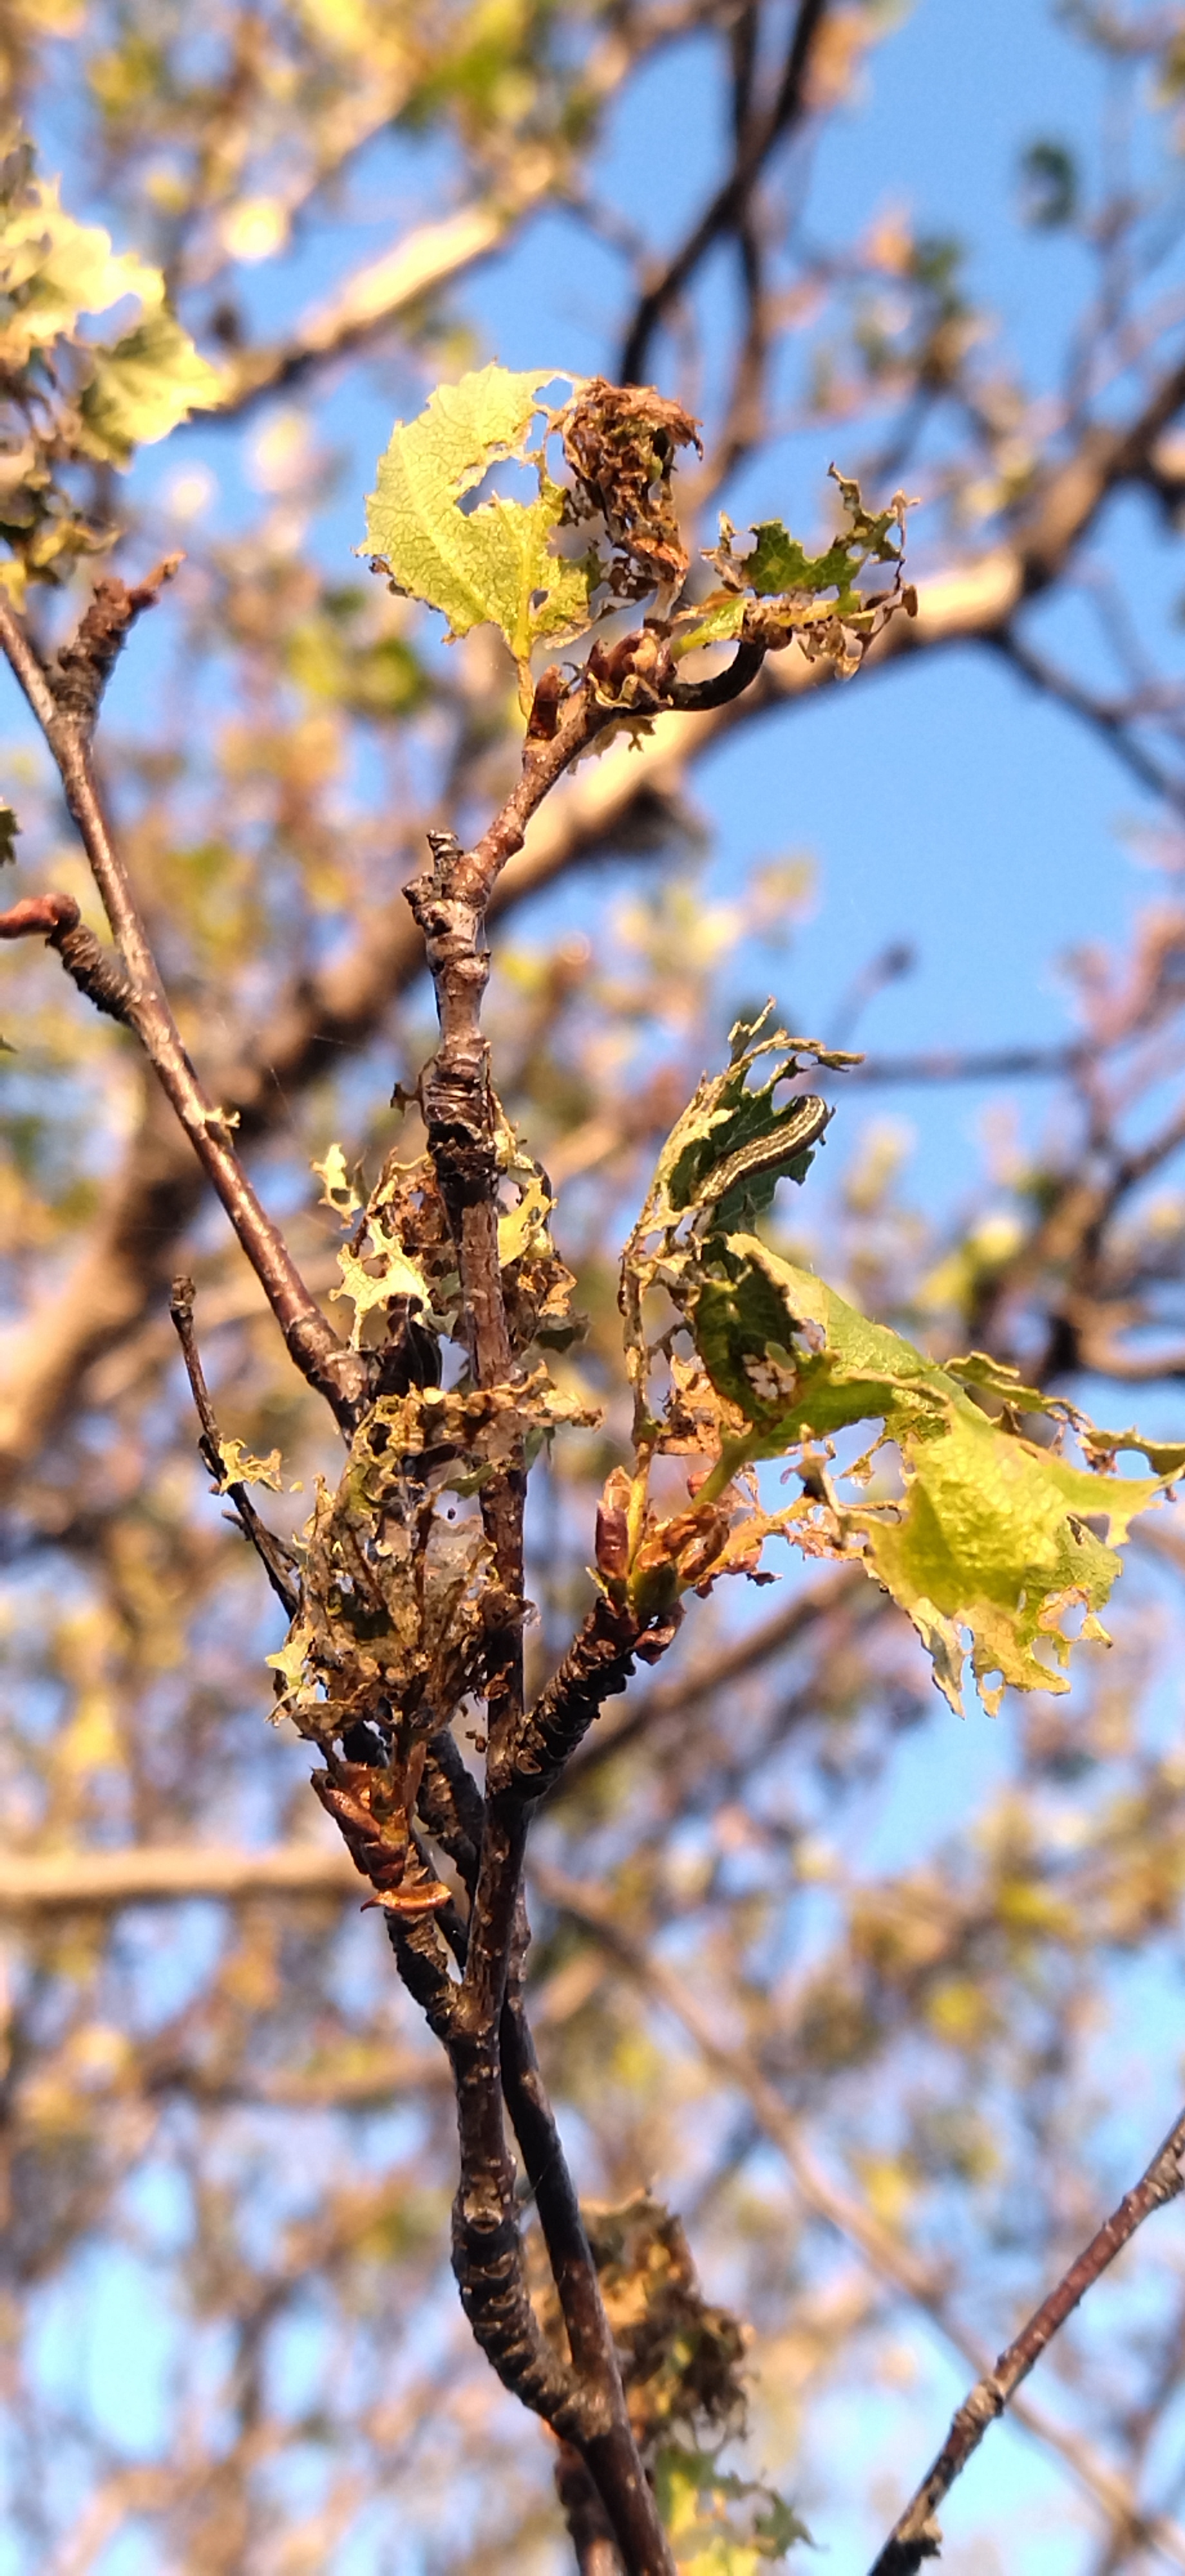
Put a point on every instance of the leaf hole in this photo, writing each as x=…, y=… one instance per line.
x=507, y=480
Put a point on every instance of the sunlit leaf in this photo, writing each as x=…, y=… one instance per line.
x=993, y=1536
x=338, y=1192
x=391, y=1275
x=143, y=386
x=240, y=1468
x=494, y=563
x=53, y=269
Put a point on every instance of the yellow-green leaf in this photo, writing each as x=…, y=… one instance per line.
x=240, y=1468
x=140, y=388
x=493, y=564
x=53, y=269
x=524, y=1229
x=719, y=2524
x=339, y=1191
x=994, y=1537
x=392, y=1275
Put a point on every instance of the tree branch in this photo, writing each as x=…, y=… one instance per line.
x=63, y=1882
x=486, y=2030
x=277, y=1560
x=341, y=1005
x=726, y=209
x=916, y=2534
x=65, y=707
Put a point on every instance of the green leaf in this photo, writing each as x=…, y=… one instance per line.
x=718, y=620
x=1165, y=1457
x=493, y=564
x=736, y=1140
x=993, y=1535
x=777, y=564
x=140, y=388
x=9, y=828
x=711, y=2517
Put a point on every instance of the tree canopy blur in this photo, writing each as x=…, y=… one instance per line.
x=321, y=322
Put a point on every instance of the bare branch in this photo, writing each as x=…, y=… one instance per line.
x=916, y=2534
x=727, y=208
x=65, y=709
x=62, y=1882
x=277, y=1560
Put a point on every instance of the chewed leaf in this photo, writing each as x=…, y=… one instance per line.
x=392, y=1275
x=1165, y=1457
x=736, y=1137
x=140, y=388
x=240, y=1468
x=993, y=1536
x=288, y=1663
x=493, y=564
x=776, y=593
x=719, y=2524
x=525, y=1228
x=339, y=1192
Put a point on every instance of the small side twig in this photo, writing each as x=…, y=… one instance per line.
x=916, y=2534
x=277, y=1560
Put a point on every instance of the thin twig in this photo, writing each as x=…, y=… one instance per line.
x=65, y=709
x=728, y=206
x=916, y=2534
x=277, y=1560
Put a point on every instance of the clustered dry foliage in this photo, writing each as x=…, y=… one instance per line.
x=876, y=2090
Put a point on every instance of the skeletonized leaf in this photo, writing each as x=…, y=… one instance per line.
x=391, y=1275
x=492, y=564
x=240, y=1468
x=338, y=1192
x=993, y=1536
